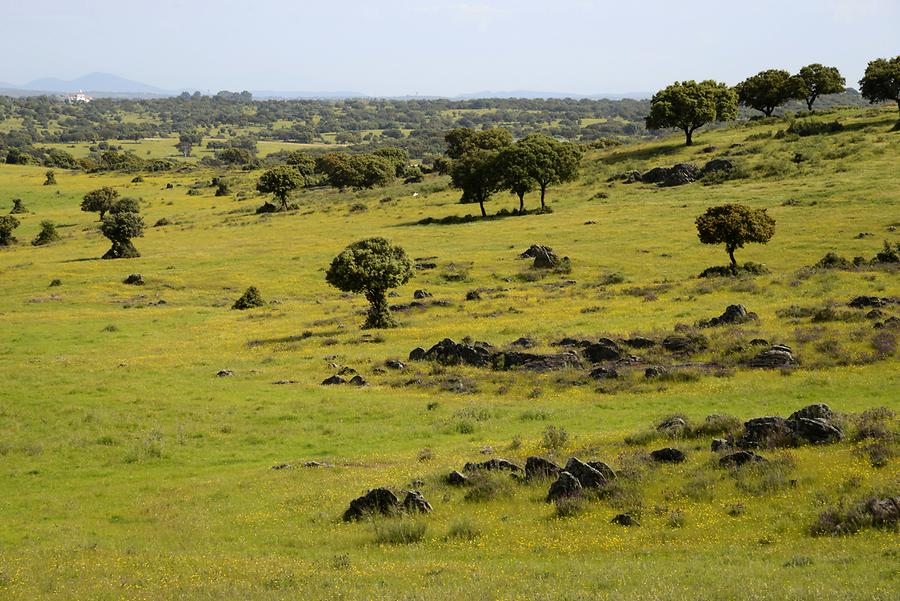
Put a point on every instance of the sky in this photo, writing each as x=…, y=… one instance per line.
x=438, y=47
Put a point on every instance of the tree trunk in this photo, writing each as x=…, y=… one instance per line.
x=483, y=212
x=688, y=136
x=809, y=103
x=543, y=192
x=768, y=111
x=731, y=256
x=522, y=202
x=379, y=315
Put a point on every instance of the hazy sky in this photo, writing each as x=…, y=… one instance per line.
x=394, y=47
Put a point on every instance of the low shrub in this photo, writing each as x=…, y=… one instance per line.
x=399, y=531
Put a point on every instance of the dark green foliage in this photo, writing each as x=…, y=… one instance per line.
x=463, y=139
x=18, y=207
x=280, y=182
x=222, y=189
x=8, y=223
x=50, y=178
x=542, y=160
x=811, y=127
x=815, y=80
x=727, y=271
x=477, y=174
x=99, y=201
x=689, y=105
x=47, y=235
x=357, y=171
x=849, y=518
x=888, y=254
x=121, y=225
x=371, y=267
x=881, y=81
x=833, y=261
x=397, y=157
x=767, y=90
x=249, y=300
x=304, y=163
x=734, y=225
x=60, y=159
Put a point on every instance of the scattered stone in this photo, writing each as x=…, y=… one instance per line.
x=884, y=512
x=719, y=444
x=534, y=250
x=224, y=373
x=416, y=503
x=876, y=314
x=487, y=450
x=417, y=354
x=135, y=279
x=539, y=467
x=891, y=323
x=603, y=350
x=655, y=371
x=667, y=455
x=862, y=302
x=523, y=342
x=817, y=411
x=681, y=174
x=346, y=371
x=639, y=342
x=455, y=478
x=718, y=165
x=282, y=466
x=573, y=342
x=473, y=295
x=420, y=294
x=739, y=458
x=685, y=343
x=625, y=519
x=448, y=352
x=779, y=355
x=585, y=474
x=734, y=314
x=815, y=430
x=333, y=380
x=534, y=362
x=492, y=465
x=604, y=469
x=765, y=432
x=604, y=373
x=564, y=487
x=394, y=364
x=316, y=464
x=671, y=424
x=759, y=342
x=376, y=501
x=358, y=380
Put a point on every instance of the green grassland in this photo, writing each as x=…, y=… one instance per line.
x=129, y=470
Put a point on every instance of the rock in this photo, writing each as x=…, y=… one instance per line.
x=224, y=373
x=533, y=362
x=564, y=487
x=671, y=424
x=734, y=314
x=604, y=350
x=815, y=430
x=417, y=354
x=685, y=343
x=487, y=450
x=585, y=474
x=639, y=342
x=448, y=352
x=473, y=295
x=573, y=342
x=423, y=265
x=523, y=342
x=861, y=302
x=884, y=512
x=416, y=503
x=316, y=464
x=358, y=380
x=667, y=455
x=394, y=364
x=539, y=467
x=655, y=371
x=534, y=250
x=492, y=465
x=333, y=380
x=624, y=519
x=346, y=371
x=764, y=432
x=135, y=279
x=891, y=323
x=776, y=356
x=604, y=373
x=420, y=294
x=282, y=466
x=656, y=175
x=719, y=444
x=817, y=411
x=455, y=478
x=546, y=260
x=876, y=314
x=680, y=174
x=604, y=469
x=376, y=501
x=759, y=342
x=739, y=458
x=718, y=165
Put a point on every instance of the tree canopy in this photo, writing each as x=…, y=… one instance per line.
x=881, y=81
x=689, y=105
x=123, y=224
x=100, y=200
x=371, y=267
x=8, y=223
x=815, y=80
x=280, y=182
x=477, y=174
x=734, y=225
x=767, y=90
x=549, y=161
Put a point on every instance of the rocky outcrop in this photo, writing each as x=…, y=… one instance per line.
x=734, y=314
x=779, y=355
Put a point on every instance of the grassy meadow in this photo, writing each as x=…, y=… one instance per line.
x=130, y=470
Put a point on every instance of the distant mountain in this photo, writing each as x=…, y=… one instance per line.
x=94, y=82
x=531, y=94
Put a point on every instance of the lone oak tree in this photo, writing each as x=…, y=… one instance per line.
x=689, y=105
x=478, y=175
x=767, y=90
x=881, y=81
x=99, y=201
x=280, y=182
x=7, y=224
x=814, y=80
x=734, y=225
x=371, y=267
x=123, y=223
x=550, y=161
x=513, y=163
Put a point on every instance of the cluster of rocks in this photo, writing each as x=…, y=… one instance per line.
x=677, y=175
x=733, y=315
x=134, y=279
x=381, y=501
x=813, y=424
x=544, y=257
x=867, y=302
x=776, y=356
x=338, y=378
x=483, y=354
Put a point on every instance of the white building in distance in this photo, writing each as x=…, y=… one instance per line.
x=77, y=97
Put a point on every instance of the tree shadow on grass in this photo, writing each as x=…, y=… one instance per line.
x=469, y=218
